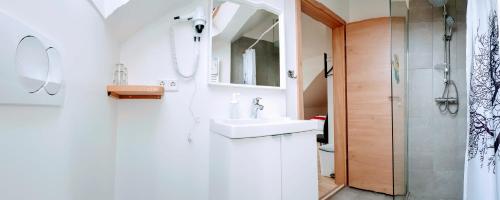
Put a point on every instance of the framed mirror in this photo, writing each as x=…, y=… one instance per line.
x=247, y=47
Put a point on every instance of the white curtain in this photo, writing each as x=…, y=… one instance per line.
x=249, y=67
x=481, y=181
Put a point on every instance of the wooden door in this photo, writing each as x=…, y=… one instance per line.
x=369, y=123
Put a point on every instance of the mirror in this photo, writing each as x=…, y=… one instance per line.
x=32, y=63
x=245, y=45
x=54, y=80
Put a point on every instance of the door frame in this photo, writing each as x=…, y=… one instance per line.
x=323, y=14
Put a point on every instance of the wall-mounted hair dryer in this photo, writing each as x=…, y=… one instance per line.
x=198, y=19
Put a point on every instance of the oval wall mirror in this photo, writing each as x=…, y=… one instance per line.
x=54, y=79
x=32, y=63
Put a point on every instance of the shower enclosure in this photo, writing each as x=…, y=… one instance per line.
x=428, y=80
x=410, y=94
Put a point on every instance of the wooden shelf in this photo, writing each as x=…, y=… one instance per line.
x=135, y=91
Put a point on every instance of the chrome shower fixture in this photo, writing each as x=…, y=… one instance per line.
x=450, y=92
x=449, y=22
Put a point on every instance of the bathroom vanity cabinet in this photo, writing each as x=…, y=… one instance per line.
x=299, y=166
x=273, y=167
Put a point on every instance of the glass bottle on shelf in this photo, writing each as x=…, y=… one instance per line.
x=120, y=75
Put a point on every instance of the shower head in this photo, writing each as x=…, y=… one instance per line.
x=438, y=3
x=449, y=21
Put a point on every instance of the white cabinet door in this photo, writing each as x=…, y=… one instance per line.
x=299, y=166
x=255, y=169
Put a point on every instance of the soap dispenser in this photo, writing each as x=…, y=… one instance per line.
x=235, y=112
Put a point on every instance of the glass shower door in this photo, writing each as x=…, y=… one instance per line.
x=399, y=16
x=435, y=137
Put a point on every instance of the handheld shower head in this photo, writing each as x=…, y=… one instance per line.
x=449, y=22
x=438, y=3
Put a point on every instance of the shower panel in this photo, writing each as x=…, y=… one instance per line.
x=447, y=100
x=436, y=127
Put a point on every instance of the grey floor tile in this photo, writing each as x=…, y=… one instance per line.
x=345, y=194
x=356, y=194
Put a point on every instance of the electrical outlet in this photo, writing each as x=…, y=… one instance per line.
x=170, y=85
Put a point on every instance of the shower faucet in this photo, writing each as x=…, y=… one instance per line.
x=449, y=98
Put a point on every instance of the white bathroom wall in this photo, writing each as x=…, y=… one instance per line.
x=340, y=7
x=67, y=152
x=112, y=5
x=316, y=40
x=291, y=39
x=358, y=10
x=366, y=9
x=154, y=159
x=100, y=6
x=107, y=7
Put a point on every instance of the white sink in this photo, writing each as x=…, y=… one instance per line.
x=246, y=128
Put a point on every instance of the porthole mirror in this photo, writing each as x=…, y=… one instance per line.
x=54, y=79
x=32, y=63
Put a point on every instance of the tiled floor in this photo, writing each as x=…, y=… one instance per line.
x=355, y=194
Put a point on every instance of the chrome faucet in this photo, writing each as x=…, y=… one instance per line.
x=256, y=107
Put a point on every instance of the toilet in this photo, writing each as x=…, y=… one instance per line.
x=326, y=159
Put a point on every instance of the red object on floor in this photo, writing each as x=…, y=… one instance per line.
x=319, y=117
